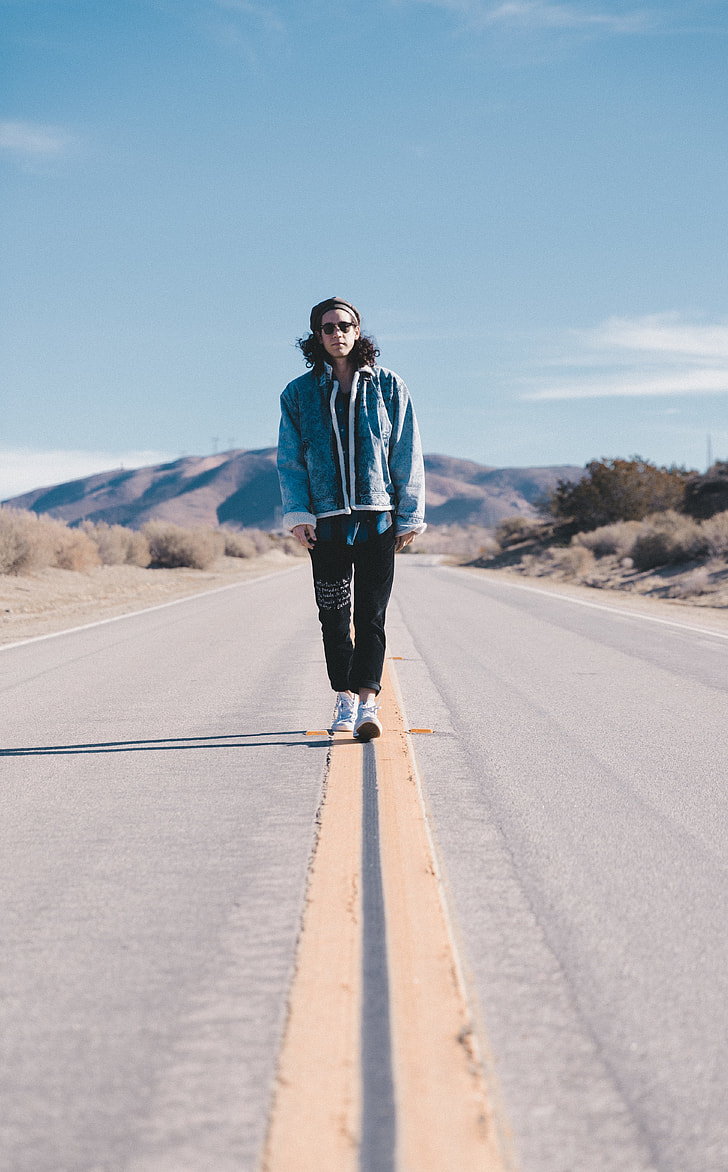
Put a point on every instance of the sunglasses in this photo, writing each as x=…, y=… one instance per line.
x=331, y=326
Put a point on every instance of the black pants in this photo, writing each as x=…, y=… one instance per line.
x=356, y=665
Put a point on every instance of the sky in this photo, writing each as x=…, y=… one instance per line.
x=525, y=199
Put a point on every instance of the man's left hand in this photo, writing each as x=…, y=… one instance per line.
x=402, y=540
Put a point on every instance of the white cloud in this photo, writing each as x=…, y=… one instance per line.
x=690, y=382
x=539, y=14
x=661, y=334
x=35, y=141
x=260, y=12
x=25, y=469
x=536, y=14
x=634, y=357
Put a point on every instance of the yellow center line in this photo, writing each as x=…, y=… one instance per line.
x=444, y=1119
x=315, y=1122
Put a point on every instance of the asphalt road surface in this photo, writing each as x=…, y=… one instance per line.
x=159, y=814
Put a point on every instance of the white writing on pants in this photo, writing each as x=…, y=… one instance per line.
x=333, y=595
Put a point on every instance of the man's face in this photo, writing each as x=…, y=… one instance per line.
x=340, y=343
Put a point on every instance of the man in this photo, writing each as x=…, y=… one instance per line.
x=353, y=488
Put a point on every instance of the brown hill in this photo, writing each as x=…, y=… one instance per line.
x=240, y=489
x=463, y=492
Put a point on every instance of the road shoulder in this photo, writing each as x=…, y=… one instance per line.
x=676, y=610
x=53, y=600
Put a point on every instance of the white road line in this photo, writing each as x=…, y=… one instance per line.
x=146, y=610
x=618, y=610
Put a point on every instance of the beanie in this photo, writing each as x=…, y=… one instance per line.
x=323, y=307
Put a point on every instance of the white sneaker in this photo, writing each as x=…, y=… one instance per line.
x=345, y=713
x=368, y=725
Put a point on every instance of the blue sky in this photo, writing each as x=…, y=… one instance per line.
x=527, y=200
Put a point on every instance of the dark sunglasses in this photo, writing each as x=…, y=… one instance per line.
x=330, y=326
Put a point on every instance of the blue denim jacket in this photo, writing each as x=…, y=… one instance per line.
x=386, y=469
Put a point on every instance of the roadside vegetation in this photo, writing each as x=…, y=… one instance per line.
x=616, y=490
x=29, y=542
x=461, y=542
x=627, y=525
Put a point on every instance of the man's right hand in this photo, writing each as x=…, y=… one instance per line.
x=306, y=534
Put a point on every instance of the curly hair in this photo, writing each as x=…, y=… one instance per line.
x=363, y=353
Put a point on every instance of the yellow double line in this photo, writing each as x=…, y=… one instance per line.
x=330, y=1110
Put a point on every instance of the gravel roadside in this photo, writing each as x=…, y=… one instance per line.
x=54, y=600
x=695, y=612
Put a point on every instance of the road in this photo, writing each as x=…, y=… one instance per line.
x=160, y=809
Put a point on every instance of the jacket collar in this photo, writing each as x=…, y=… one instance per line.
x=327, y=377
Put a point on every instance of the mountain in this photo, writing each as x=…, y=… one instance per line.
x=233, y=488
x=240, y=489
x=462, y=492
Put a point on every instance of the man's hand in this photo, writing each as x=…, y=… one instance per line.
x=306, y=534
x=400, y=541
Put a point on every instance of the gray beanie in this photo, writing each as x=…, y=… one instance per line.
x=323, y=307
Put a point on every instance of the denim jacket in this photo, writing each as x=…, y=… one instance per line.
x=386, y=469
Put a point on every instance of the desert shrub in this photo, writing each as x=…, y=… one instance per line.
x=707, y=495
x=618, y=490
x=137, y=552
x=171, y=546
x=28, y=543
x=668, y=539
x=73, y=549
x=289, y=546
x=573, y=561
x=261, y=540
x=118, y=546
x=715, y=532
x=465, y=541
x=239, y=545
x=25, y=542
x=513, y=530
x=693, y=585
x=615, y=539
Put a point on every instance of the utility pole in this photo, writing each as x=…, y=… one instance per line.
x=710, y=452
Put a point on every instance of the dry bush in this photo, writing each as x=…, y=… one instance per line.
x=290, y=546
x=715, y=531
x=513, y=530
x=466, y=541
x=617, y=539
x=110, y=541
x=73, y=549
x=118, y=546
x=29, y=542
x=171, y=546
x=572, y=562
x=248, y=543
x=26, y=542
x=577, y=561
x=137, y=553
x=239, y=545
x=693, y=585
x=261, y=540
x=668, y=538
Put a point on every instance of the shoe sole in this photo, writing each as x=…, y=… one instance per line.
x=347, y=727
x=368, y=731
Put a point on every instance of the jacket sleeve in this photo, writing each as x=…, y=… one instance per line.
x=406, y=465
x=292, y=470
